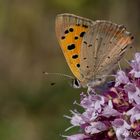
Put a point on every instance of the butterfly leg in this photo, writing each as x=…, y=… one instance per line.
x=119, y=65
x=91, y=90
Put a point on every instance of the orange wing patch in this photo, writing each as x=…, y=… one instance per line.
x=70, y=43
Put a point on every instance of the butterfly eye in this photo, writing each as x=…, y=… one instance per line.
x=76, y=83
x=101, y=80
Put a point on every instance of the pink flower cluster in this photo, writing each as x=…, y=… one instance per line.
x=113, y=114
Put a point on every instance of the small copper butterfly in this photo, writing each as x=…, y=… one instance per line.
x=91, y=48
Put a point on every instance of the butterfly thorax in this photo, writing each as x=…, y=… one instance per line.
x=92, y=82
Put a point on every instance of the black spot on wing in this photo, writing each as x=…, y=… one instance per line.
x=76, y=37
x=78, y=24
x=95, y=57
x=82, y=34
x=85, y=26
x=71, y=47
x=78, y=65
x=75, y=56
x=63, y=37
x=90, y=45
x=66, y=32
x=85, y=42
x=71, y=29
x=132, y=37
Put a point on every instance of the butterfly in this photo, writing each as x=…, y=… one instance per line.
x=91, y=48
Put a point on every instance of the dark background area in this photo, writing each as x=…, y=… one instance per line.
x=30, y=108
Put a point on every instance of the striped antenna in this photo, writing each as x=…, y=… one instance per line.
x=59, y=74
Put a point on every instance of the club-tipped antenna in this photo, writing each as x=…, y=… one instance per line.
x=59, y=74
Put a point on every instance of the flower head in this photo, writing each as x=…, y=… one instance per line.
x=114, y=114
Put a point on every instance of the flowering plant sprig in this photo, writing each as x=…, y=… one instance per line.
x=113, y=114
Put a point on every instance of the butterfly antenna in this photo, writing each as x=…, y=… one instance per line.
x=59, y=74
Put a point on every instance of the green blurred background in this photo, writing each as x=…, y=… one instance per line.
x=30, y=108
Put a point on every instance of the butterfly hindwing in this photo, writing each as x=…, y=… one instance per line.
x=113, y=48
x=102, y=47
x=70, y=30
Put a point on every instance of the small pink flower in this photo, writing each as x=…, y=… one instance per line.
x=135, y=64
x=133, y=93
x=109, y=111
x=95, y=127
x=121, y=128
x=134, y=113
x=77, y=137
x=121, y=78
x=76, y=119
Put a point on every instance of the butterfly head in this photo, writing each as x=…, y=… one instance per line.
x=96, y=81
x=88, y=83
x=76, y=83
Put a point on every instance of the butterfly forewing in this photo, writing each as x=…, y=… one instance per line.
x=102, y=47
x=70, y=30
